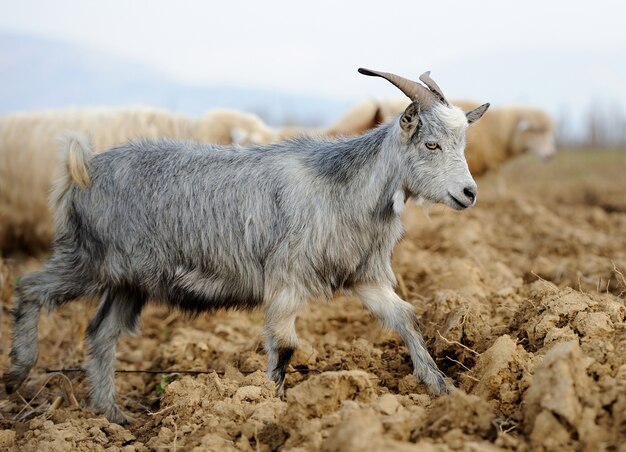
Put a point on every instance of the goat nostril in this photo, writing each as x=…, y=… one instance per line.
x=470, y=193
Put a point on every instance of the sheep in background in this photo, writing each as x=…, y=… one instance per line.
x=503, y=134
x=233, y=127
x=355, y=122
x=201, y=227
x=28, y=157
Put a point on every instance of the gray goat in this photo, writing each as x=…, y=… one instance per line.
x=203, y=227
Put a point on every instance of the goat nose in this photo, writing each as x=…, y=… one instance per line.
x=470, y=192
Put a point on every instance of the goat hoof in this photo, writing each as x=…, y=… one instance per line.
x=442, y=389
x=280, y=392
x=437, y=383
x=13, y=379
x=116, y=416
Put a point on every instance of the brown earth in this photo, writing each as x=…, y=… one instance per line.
x=522, y=301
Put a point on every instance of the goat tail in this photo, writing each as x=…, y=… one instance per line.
x=76, y=156
x=75, y=160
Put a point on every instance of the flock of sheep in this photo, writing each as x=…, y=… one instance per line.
x=29, y=144
x=283, y=217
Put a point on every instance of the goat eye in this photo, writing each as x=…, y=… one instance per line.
x=432, y=146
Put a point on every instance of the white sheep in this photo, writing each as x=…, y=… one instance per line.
x=233, y=127
x=354, y=122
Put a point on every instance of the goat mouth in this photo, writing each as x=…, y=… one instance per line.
x=457, y=202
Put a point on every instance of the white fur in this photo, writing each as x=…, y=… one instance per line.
x=453, y=116
x=398, y=202
x=385, y=304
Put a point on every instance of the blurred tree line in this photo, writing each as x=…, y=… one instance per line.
x=602, y=126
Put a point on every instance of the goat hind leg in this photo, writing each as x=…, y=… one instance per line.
x=25, y=345
x=117, y=314
x=50, y=288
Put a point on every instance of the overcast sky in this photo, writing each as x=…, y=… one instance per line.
x=315, y=47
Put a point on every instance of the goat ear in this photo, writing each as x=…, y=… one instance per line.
x=409, y=121
x=477, y=113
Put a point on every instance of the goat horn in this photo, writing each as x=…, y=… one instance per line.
x=413, y=90
x=433, y=87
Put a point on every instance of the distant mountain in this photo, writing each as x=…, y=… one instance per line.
x=38, y=73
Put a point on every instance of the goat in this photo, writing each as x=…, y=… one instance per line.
x=201, y=227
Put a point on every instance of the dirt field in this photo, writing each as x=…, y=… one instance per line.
x=522, y=301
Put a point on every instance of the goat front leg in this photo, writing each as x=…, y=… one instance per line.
x=281, y=339
x=398, y=315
